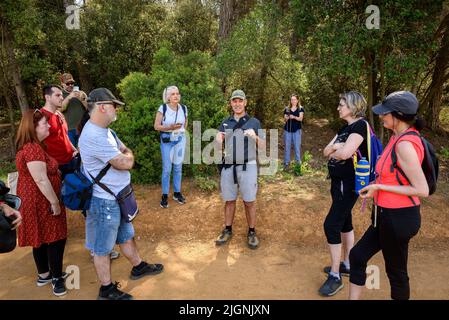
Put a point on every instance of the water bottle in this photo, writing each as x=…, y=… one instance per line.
x=362, y=172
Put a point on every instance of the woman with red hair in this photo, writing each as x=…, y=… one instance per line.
x=44, y=225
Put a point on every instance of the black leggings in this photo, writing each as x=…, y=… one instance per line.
x=48, y=257
x=395, y=228
x=339, y=218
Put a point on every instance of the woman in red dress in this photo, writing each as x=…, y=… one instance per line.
x=44, y=225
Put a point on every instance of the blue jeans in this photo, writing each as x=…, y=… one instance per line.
x=172, y=155
x=289, y=138
x=105, y=226
x=73, y=137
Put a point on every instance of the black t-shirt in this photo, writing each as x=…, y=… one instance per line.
x=344, y=169
x=293, y=125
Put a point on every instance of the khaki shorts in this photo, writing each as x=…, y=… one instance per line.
x=247, y=183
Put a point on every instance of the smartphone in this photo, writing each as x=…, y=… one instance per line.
x=76, y=89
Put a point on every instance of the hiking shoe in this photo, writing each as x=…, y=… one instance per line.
x=224, y=237
x=331, y=286
x=164, y=201
x=146, y=270
x=177, y=196
x=58, y=285
x=43, y=281
x=114, y=293
x=253, y=241
x=343, y=270
x=114, y=254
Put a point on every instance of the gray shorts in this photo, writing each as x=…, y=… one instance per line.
x=247, y=183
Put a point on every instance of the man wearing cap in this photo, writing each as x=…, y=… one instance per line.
x=72, y=107
x=241, y=135
x=99, y=146
x=58, y=142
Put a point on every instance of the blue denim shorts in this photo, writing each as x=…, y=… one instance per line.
x=105, y=227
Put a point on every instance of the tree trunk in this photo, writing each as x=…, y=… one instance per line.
x=369, y=62
x=432, y=99
x=230, y=13
x=382, y=88
x=225, y=20
x=14, y=69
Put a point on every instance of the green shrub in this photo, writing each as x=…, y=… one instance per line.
x=5, y=168
x=192, y=74
x=206, y=184
x=444, y=153
x=304, y=167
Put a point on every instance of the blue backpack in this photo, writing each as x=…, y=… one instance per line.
x=374, y=151
x=77, y=189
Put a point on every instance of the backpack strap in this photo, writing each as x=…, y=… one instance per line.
x=368, y=146
x=239, y=125
x=394, y=161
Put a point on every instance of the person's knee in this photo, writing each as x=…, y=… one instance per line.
x=332, y=232
x=249, y=204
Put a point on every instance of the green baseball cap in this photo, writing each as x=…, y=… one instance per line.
x=238, y=94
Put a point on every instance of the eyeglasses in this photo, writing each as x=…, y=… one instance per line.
x=70, y=84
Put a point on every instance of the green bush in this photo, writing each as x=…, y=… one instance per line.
x=206, y=184
x=5, y=168
x=304, y=167
x=142, y=93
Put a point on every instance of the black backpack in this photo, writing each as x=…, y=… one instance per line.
x=429, y=165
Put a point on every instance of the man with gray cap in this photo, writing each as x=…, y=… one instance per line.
x=241, y=135
x=100, y=148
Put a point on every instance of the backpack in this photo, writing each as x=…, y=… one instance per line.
x=77, y=189
x=374, y=147
x=429, y=165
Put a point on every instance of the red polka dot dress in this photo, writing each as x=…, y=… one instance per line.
x=38, y=224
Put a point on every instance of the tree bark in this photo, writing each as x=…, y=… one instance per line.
x=230, y=13
x=225, y=21
x=432, y=99
x=369, y=62
x=13, y=67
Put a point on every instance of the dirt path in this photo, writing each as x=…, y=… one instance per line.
x=286, y=266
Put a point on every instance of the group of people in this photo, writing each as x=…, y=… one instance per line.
x=396, y=208
x=73, y=127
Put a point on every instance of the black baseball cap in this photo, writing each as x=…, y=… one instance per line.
x=103, y=95
x=403, y=102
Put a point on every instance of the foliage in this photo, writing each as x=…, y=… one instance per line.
x=142, y=93
x=299, y=169
x=206, y=184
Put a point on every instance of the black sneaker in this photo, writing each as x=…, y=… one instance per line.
x=113, y=293
x=343, y=270
x=331, y=286
x=146, y=270
x=43, y=281
x=58, y=285
x=164, y=201
x=177, y=196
